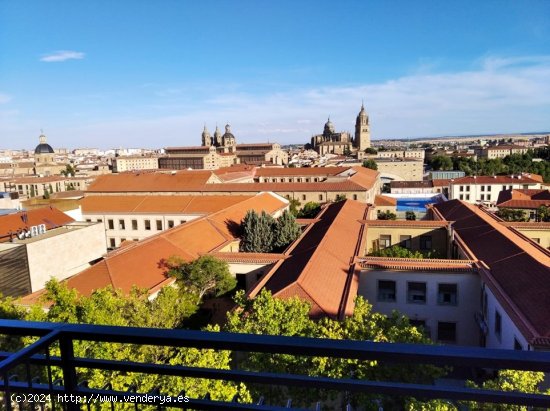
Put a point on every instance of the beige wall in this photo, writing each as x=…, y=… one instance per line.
x=540, y=236
x=121, y=164
x=404, y=170
x=65, y=254
x=473, y=193
x=431, y=311
x=438, y=236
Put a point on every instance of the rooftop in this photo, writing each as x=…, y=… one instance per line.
x=23, y=220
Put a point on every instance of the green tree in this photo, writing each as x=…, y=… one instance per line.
x=370, y=163
x=257, y=232
x=33, y=192
x=293, y=206
x=286, y=230
x=543, y=213
x=511, y=214
x=410, y=215
x=310, y=210
x=386, y=215
x=509, y=380
x=340, y=197
x=69, y=171
x=396, y=251
x=203, y=277
x=112, y=307
x=442, y=163
x=268, y=315
x=371, y=150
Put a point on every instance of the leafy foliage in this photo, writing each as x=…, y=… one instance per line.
x=441, y=163
x=205, y=276
x=410, y=215
x=112, y=307
x=340, y=197
x=293, y=206
x=510, y=214
x=263, y=234
x=286, y=230
x=309, y=210
x=543, y=213
x=268, y=315
x=396, y=251
x=371, y=150
x=370, y=163
x=386, y=215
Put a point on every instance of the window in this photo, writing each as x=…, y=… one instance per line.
x=482, y=197
x=386, y=291
x=468, y=188
x=446, y=294
x=320, y=197
x=482, y=188
x=517, y=344
x=446, y=332
x=134, y=225
x=121, y=225
x=100, y=220
x=536, y=240
x=112, y=242
x=183, y=221
x=416, y=293
x=384, y=241
x=148, y=225
x=110, y=224
x=88, y=220
x=122, y=239
x=461, y=188
x=355, y=196
x=421, y=326
x=170, y=223
x=462, y=196
x=405, y=241
x=159, y=225
x=425, y=242
x=488, y=197
x=498, y=324
x=304, y=197
x=467, y=196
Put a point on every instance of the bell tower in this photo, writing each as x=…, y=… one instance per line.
x=362, y=130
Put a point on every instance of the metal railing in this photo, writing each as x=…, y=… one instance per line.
x=63, y=336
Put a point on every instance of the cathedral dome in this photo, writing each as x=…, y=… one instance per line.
x=43, y=147
x=228, y=136
x=329, y=127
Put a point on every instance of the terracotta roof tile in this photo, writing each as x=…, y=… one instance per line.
x=528, y=198
x=520, y=269
x=150, y=182
x=303, y=171
x=50, y=216
x=385, y=201
x=139, y=264
x=406, y=223
x=158, y=203
x=320, y=263
x=411, y=264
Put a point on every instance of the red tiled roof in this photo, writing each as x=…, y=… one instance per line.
x=441, y=182
x=320, y=265
x=528, y=198
x=151, y=182
x=158, y=203
x=384, y=201
x=252, y=258
x=140, y=263
x=406, y=223
x=411, y=264
x=303, y=171
x=365, y=177
x=50, y=216
x=519, y=272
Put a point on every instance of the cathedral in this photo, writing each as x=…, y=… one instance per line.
x=226, y=141
x=342, y=142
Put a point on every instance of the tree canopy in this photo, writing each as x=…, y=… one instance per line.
x=309, y=210
x=205, y=276
x=510, y=214
x=261, y=233
x=370, y=163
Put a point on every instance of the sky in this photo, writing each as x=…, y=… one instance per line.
x=143, y=73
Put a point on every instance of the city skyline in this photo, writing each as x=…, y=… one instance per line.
x=154, y=74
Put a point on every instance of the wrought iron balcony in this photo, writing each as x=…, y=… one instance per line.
x=37, y=356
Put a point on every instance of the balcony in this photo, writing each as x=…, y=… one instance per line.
x=21, y=371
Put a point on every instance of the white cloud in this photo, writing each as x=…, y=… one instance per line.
x=500, y=94
x=62, y=55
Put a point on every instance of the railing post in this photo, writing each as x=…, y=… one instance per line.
x=69, y=372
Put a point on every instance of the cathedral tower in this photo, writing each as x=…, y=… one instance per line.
x=206, y=138
x=362, y=130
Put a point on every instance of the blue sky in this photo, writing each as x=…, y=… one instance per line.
x=152, y=73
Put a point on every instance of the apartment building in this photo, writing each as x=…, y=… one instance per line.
x=502, y=151
x=486, y=189
x=133, y=163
